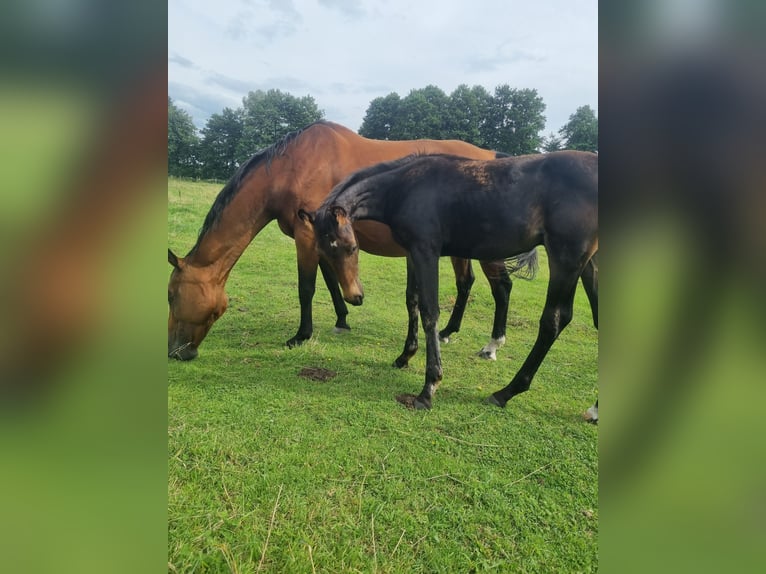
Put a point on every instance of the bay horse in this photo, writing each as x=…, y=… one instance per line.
x=297, y=172
x=445, y=205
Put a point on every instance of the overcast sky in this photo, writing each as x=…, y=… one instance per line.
x=345, y=53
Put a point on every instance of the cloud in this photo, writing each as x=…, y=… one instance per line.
x=239, y=87
x=201, y=104
x=181, y=61
x=280, y=19
x=503, y=56
x=351, y=8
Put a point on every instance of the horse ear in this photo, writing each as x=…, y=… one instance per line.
x=306, y=216
x=339, y=212
x=173, y=260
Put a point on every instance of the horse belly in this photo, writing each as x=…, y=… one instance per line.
x=376, y=238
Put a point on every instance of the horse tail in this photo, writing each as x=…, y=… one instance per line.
x=523, y=266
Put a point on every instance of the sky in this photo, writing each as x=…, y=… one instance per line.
x=345, y=53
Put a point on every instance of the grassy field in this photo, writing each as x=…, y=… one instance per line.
x=270, y=471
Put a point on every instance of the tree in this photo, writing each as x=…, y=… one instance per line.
x=422, y=114
x=581, y=131
x=514, y=121
x=380, y=117
x=269, y=116
x=466, y=112
x=183, y=143
x=220, y=139
x=553, y=143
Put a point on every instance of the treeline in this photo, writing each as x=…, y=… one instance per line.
x=509, y=120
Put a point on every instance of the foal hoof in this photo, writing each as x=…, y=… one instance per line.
x=412, y=402
x=400, y=363
x=444, y=340
x=341, y=330
x=295, y=342
x=488, y=355
x=591, y=415
x=493, y=400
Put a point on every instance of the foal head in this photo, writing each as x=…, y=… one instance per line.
x=195, y=302
x=336, y=243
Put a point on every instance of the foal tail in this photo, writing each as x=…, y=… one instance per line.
x=523, y=266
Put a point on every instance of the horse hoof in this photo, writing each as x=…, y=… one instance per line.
x=492, y=400
x=443, y=340
x=295, y=342
x=412, y=402
x=488, y=355
x=591, y=415
x=400, y=363
x=341, y=330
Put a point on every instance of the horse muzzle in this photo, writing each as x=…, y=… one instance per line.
x=355, y=300
x=185, y=352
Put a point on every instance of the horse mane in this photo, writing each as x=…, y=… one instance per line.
x=232, y=187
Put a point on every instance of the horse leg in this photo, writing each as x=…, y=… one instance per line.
x=341, y=311
x=308, y=261
x=556, y=315
x=589, y=279
x=411, y=343
x=501, y=285
x=464, y=279
x=425, y=268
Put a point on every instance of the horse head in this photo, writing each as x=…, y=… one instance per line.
x=196, y=301
x=337, y=244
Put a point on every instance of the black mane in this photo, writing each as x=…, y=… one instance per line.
x=232, y=187
x=374, y=170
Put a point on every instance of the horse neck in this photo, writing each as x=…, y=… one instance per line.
x=366, y=205
x=242, y=219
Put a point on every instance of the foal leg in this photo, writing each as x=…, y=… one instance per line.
x=426, y=271
x=589, y=279
x=341, y=311
x=464, y=279
x=411, y=343
x=501, y=285
x=556, y=315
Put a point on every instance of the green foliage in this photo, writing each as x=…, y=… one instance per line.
x=380, y=117
x=581, y=131
x=514, y=121
x=220, y=138
x=510, y=121
x=553, y=143
x=270, y=471
x=422, y=115
x=183, y=143
x=268, y=116
x=466, y=113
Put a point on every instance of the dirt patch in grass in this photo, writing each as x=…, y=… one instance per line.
x=317, y=373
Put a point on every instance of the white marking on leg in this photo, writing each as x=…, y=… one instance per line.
x=591, y=414
x=489, y=350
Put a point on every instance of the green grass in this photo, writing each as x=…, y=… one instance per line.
x=270, y=471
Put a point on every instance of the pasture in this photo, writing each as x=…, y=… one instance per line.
x=271, y=471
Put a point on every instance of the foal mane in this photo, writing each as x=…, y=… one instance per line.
x=233, y=186
x=368, y=172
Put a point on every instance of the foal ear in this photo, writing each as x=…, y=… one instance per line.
x=306, y=216
x=173, y=260
x=339, y=212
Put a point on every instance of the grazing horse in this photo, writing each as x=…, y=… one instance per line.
x=299, y=172
x=445, y=205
